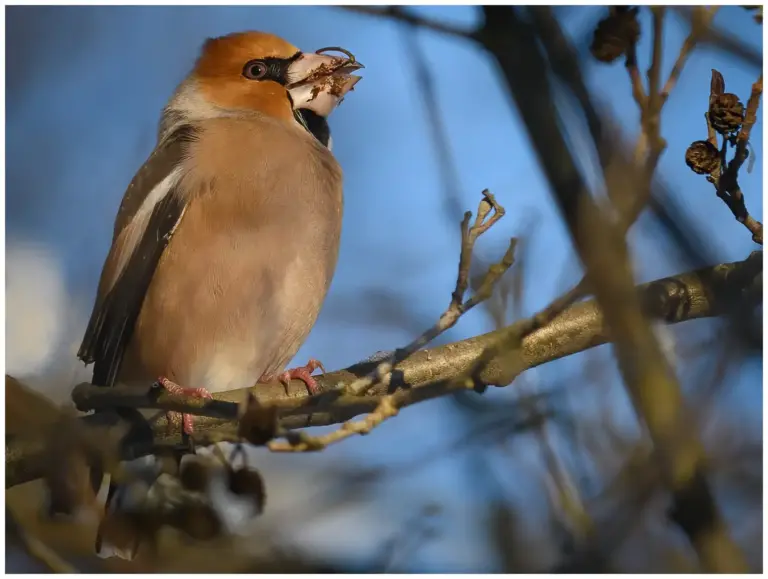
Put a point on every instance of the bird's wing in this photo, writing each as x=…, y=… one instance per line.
x=150, y=211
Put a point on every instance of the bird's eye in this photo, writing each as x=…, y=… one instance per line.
x=255, y=70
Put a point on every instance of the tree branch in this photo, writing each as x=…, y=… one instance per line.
x=654, y=72
x=698, y=294
x=722, y=39
x=701, y=19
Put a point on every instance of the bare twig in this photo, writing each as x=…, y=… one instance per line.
x=654, y=72
x=650, y=144
x=702, y=18
x=638, y=90
x=720, y=39
x=458, y=306
x=750, y=118
x=302, y=442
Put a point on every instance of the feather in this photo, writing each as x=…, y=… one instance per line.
x=150, y=212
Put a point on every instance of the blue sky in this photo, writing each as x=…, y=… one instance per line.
x=85, y=86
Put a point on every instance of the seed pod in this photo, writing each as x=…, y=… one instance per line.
x=726, y=113
x=615, y=34
x=246, y=482
x=702, y=157
x=195, y=475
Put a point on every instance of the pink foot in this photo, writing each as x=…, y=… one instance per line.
x=187, y=420
x=303, y=373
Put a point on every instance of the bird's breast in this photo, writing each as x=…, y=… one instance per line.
x=246, y=272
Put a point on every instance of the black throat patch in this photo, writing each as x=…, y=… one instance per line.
x=315, y=124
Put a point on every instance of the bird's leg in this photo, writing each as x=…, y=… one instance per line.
x=187, y=420
x=303, y=373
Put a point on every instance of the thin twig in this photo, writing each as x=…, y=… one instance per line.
x=638, y=91
x=651, y=145
x=721, y=39
x=701, y=20
x=302, y=442
x=654, y=72
x=457, y=307
x=750, y=118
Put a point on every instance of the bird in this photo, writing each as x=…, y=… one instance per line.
x=227, y=238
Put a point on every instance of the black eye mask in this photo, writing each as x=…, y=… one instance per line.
x=270, y=68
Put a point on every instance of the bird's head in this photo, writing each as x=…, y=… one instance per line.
x=262, y=72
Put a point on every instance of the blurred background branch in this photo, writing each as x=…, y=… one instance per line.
x=602, y=248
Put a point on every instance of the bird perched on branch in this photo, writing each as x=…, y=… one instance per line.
x=227, y=238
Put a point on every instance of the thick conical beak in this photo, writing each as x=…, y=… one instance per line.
x=318, y=82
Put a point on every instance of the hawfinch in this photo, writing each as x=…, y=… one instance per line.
x=227, y=238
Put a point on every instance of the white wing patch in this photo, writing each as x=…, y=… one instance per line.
x=133, y=232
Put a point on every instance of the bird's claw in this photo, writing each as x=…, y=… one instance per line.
x=303, y=373
x=187, y=420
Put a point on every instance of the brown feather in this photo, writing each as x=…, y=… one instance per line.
x=142, y=231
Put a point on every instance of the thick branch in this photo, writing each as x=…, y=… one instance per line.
x=704, y=293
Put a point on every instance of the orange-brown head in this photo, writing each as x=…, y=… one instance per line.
x=262, y=72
